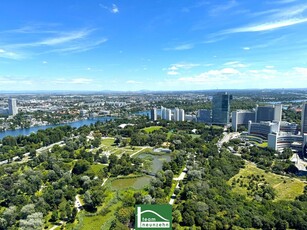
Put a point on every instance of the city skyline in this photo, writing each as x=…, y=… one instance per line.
x=152, y=45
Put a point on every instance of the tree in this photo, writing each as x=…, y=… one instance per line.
x=177, y=218
x=124, y=214
x=94, y=197
x=54, y=216
x=73, y=215
x=168, y=178
x=33, y=222
x=3, y=224
x=96, y=142
x=80, y=167
x=10, y=215
x=26, y=210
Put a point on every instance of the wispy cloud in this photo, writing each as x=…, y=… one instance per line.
x=60, y=39
x=282, y=1
x=79, y=47
x=61, y=42
x=75, y=35
x=172, y=72
x=292, y=11
x=9, y=55
x=133, y=82
x=73, y=81
x=12, y=80
x=218, y=9
x=220, y=75
x=113, y=9
x=187, y=46
x=267, y=26
x=175, y=69
x=235, y=64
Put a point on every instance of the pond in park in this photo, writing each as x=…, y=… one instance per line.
x=154, y=163
x=135, y=182
x=156, y=160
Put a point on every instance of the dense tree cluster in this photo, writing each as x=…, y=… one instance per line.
x=207, y=201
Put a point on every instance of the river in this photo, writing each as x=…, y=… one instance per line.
x=34, y=129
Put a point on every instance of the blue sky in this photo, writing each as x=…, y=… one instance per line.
x=154, y=45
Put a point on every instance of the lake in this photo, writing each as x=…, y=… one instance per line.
x=75, y=124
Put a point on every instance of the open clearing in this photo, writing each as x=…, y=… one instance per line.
x=286, y=188
x=152, y=128
x=108, y=146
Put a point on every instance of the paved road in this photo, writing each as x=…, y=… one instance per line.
x=226, y=137
x=55, y=226
x=38, y=151
x=78, y=204
x=180, y=178
x=299, y=163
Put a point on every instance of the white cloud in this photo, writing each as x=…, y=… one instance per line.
x=267, y=26
x=133, y=82
x=235, y=64
x=65, y=38
x=14, y=81
x=223, y=7
x=182, y=47
x=217, y=76
x=291, y=11
x=113, y=9
x=80, y=47
x=175, y=69
x=9, y=55
x=61, y=42
x=72, y=81
x=246, y=48
x=44, y=62
x=172, y=72
x=283, y=1
x=81, y=81
x=300, y=70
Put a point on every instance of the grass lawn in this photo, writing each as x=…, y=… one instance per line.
x=152, y=128
x=286, y=188
x=108, y=141
x=136, y=183
x=169, y=134
x=194, y=135
x=263, y=145
x=97, y=167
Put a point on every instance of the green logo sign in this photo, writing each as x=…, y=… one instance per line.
x=153, y=217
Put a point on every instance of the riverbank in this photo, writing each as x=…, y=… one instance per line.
x=34, y=129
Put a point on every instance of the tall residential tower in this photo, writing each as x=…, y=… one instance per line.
x=221, y=108
x=13, y=110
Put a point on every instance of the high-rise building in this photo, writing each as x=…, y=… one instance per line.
x=304, y=119
x=221, y=108
x=181, y=115
x=268, y=113
x=241, y=117
x=168, y=114
x=176, y=114
x=204, y=115
x=163, y=113
x=153, y=114
x=13, y=110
